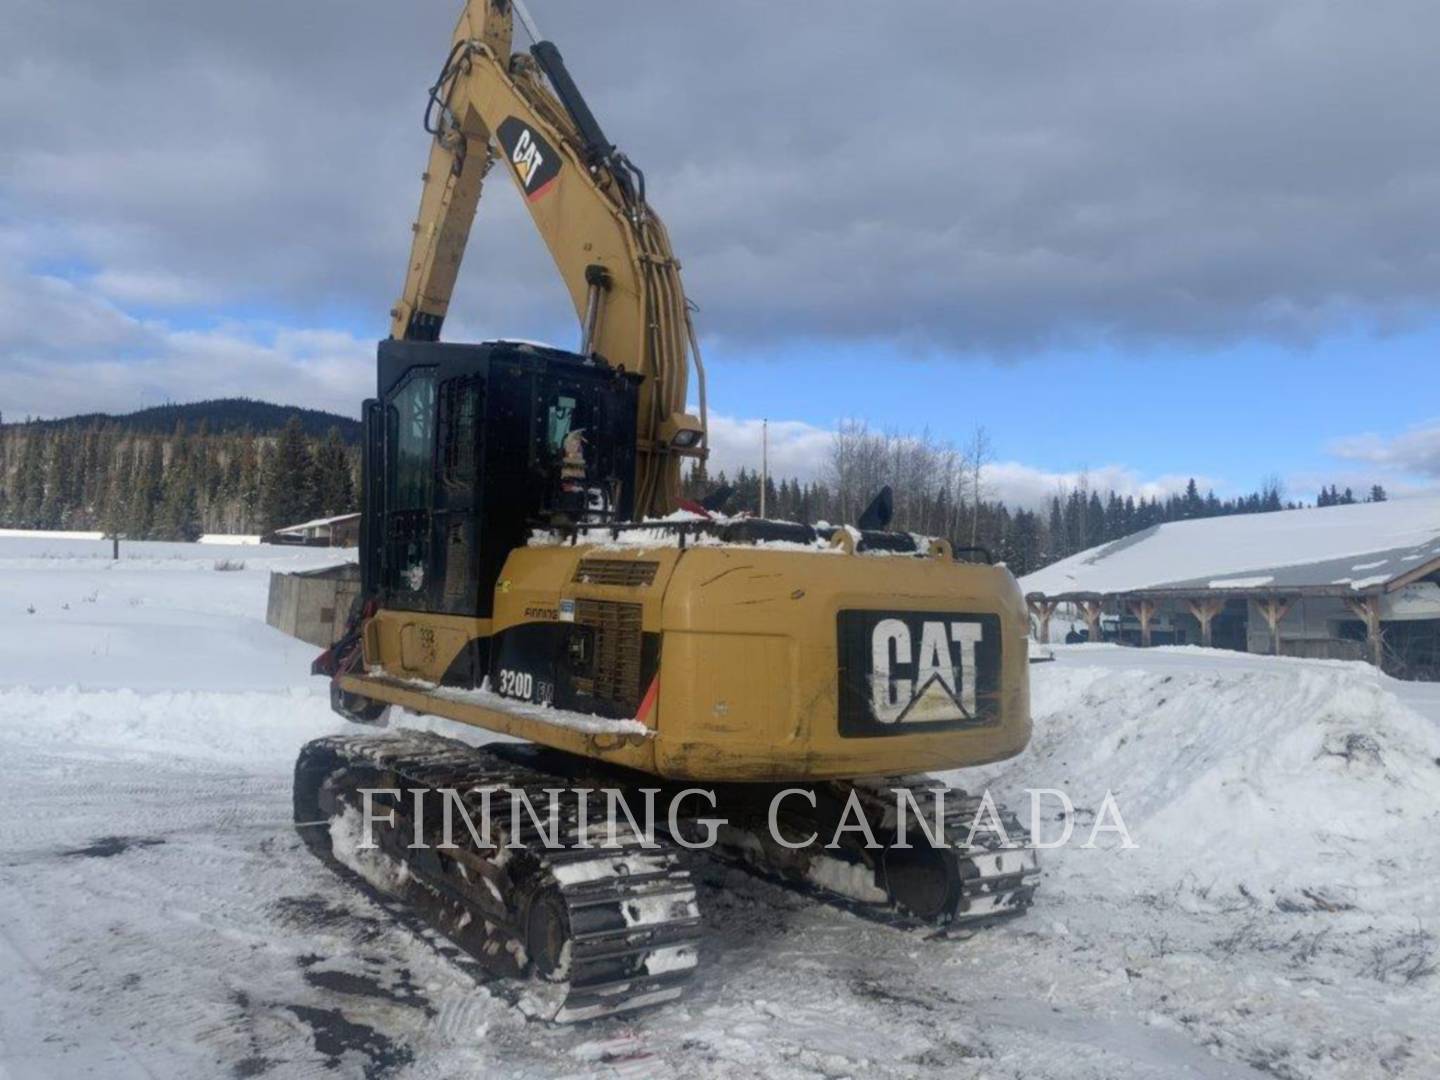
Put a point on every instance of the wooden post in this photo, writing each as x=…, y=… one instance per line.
x=1042, y=609
x=1204, y=611
x=1144, y=610
x=1090, y=612
x=1274, y=609
x=1367, y=610
x=115, y=551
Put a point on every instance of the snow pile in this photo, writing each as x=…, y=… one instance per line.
x=663, y=532
x=121, y=725
x=1241, y=551
x=1289, y=783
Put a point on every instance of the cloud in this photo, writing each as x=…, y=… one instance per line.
x=71, y=349
x=797, y=449
x=68, y=349
x=962, y=177
x=154, y=288
x=802, y=450
x=1018, y=484
x=1415, y=452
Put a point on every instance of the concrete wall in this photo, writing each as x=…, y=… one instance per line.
x=313, y=606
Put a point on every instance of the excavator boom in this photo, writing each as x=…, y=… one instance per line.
x=588, y=203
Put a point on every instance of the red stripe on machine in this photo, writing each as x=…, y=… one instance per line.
x=647, y=703
x=542, y=189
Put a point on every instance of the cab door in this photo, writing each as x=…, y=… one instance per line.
x=455, y=584
x=410, y=425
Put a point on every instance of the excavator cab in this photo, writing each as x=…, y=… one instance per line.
x=470, y=447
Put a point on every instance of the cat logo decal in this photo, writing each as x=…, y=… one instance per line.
x=535, y=161
x=903, y=671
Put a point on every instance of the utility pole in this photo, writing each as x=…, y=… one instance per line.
x=764, y=462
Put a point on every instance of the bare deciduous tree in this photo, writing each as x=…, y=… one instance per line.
x=979, y=456
x=928, y=477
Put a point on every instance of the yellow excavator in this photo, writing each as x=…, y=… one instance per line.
x=529, y=568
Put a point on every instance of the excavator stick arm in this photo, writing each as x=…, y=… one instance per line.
x=586, y=200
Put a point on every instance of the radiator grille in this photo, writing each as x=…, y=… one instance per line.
x=615, y=572
x=618, y=640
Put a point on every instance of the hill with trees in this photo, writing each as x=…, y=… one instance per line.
x=220, y=416
x=130, y=475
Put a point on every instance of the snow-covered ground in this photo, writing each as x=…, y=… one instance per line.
x=159, y=918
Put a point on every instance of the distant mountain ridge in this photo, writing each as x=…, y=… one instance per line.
x=222, y=416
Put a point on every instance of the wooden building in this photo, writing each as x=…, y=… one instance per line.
x=1357, y=582
x=340, y=531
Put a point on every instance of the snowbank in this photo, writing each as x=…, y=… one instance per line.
x=203, y=726
x=1282, y=781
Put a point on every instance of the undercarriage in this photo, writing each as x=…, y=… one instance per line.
x=515, y=853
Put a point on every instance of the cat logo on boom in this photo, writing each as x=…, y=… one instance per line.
x=534, y=160
x=902, y=670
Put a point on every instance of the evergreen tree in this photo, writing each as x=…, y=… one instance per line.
x=178, y=515
x=334, y=483
x=1192, y=506
x=1026, y=554
x=30, y=487
x=247, y=495
x=146, y=489
x=58, y=469
x=1270, y=497
x=287, y=488
x=117, y=493
x=94, y=475
x=1095, y=522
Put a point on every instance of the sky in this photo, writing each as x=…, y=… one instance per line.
x=1135, y=240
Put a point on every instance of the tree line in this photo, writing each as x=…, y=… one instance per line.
x=103, y=475
x=1333, y=496
x=941, y=489
x=100, y=474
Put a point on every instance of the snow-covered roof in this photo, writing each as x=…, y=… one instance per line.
x=318, y=523
x=1360, y=547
